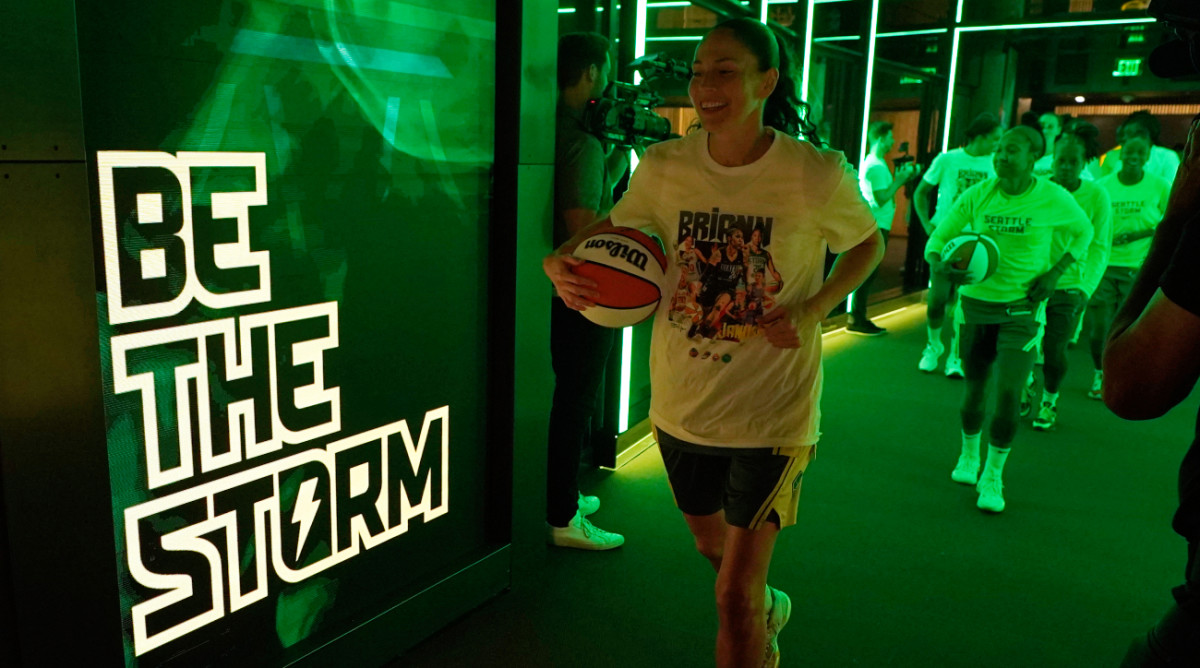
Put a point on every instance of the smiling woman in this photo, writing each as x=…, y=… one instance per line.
x=749, y=211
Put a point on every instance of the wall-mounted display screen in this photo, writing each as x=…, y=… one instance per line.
x=291, y=210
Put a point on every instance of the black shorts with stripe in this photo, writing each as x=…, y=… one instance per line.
x=752, y=485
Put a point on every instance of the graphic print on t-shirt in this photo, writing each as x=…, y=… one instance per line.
x=968, y=178
x=727, y=277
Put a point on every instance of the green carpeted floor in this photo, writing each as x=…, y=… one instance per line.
x=890, y=564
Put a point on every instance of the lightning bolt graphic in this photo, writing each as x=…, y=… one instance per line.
x=305, y=511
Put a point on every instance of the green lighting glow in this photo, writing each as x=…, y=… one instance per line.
x=808, y=47
x=906, y=33
x=686, y=38
x=286, y=47
x=839, y=38
x=1060, y=24
x=950, y=89
x=639, y=50
x=1011, y=26
x=566, y=10
x=862, y=153
x=626, y=376
x=1128, y=67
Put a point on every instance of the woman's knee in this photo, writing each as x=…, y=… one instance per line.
x=712, y=549
x=739, y=599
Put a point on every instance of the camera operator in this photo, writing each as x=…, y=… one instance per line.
x=1152, y=358
x=879, y=188
x=585, y=172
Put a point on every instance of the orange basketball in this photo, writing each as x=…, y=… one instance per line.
x=629, y=268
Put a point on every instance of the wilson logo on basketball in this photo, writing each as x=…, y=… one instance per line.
x=616, y=249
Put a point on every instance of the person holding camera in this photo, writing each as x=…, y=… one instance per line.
x=737, y=421
x=1003, y=315
x=1152, y=357
x=879, y=189
x=584, y=176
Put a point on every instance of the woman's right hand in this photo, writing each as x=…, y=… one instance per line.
x=942, y=268
x=576, y=291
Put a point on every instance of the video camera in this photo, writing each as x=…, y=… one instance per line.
x=1177, y=58
x=624, y=115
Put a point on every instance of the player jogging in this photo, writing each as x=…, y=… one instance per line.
x=1073, y=150
x=952, y=173
x=737, y=420
x=1139, y=200
x=1002, y=316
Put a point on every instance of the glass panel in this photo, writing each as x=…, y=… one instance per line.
x=903, y=15
x=283, y=186
x=999, y=11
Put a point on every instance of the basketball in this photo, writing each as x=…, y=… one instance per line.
x=976, y=254
x=629, y=268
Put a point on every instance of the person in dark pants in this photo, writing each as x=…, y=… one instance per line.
x=1152, y=358
x=879, y=188
x=584, y=175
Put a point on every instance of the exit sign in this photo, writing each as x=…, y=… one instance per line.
x=1128, y=67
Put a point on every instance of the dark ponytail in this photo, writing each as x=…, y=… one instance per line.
x=784, y=110
x=1087, y=135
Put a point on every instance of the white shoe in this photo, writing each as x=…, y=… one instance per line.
x=966, y=471
x=1097, y=390
x=588, y=504
x=1027, y=399
x=930, y=358
x=991, y=494
x=583, y=535
x=777, y=615
x=954, y=367
x=1046, y=418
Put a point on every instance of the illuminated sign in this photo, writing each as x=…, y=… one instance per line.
x=1128, y=67
x=228, y=410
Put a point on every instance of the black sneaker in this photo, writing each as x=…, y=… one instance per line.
x=865, y=328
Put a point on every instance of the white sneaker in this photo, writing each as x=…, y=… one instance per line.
x=930, y=358
x=583, y=535
x=1097, y=391
x=777, y=615
x=1046, y=418
x=588, y=504
x=991, y=494
x=966, y=471
x=954, y=367
x=1027, y=399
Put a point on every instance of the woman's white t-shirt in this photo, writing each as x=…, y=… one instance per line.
x=715, y=380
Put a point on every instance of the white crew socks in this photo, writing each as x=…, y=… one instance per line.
x=935, y=336
x=994, y=466
x=1049, y=398
x=970, y=445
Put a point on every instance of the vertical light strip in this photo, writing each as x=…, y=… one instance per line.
x=808, y=47
x=626, y=378
x=866, y=122
x=958, y=15
x=862, y=152
x=762, y=11
x=950, y=89
x=639, y=50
